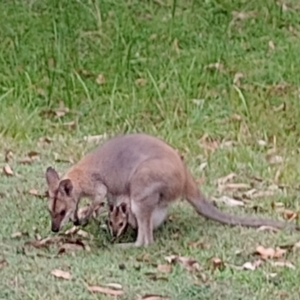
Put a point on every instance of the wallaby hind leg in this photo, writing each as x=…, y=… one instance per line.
x=143, y=210
x=144, y=221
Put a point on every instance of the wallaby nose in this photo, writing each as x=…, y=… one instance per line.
x=54, y=228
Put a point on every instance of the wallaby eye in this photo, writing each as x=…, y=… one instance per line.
x=110, y=223
x=63, y=212
x=121, y=224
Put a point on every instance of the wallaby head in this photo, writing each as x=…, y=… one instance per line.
x=61, y=199
x=117, y=219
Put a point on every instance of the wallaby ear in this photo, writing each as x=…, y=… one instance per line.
x=123, y=207
x=52, y=178
x=66, y=187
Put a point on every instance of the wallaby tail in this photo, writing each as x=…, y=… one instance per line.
x=208, y=210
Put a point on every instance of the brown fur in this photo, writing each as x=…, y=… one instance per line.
x=146, y=170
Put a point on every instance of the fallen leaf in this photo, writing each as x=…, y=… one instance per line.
x=105, y=290
x=252, y=265
x=25, y=161
x=229, y=201
x=33, y=154
x=59, y=112
x=153, y=297
x=115, y=286
x=259, y=194
x=141, y=82
x=202, y=166
x=289, y=214
x=61, y=274
x=35, y=193
x=268, y=228
x=262, y=143
x=199, y=102
x=100, y=79
x=208, y=144
x=281, y=107
x=8, y=155
x=71, y=124
x=188, y=263
x=266, y=253
x=242, y=15
x=155, y=277
x=282, y=264
x=237, y=78
x=3, y=263
x=274, y=159
x=7, y=170
x=95, y=138
x=233, y=186
x=217, y=66
x=70, y=247
x=271, y=45
x=19, y=234
x=225, y=179
x=217, y=263
x=164, y=268
x=176, y=46
x=198, y=244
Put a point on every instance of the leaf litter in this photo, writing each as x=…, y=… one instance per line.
x=61, y=274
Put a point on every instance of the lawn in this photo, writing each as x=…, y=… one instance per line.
x=218, y=80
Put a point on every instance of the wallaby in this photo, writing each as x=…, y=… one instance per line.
x=143, y=168
x=120, y=216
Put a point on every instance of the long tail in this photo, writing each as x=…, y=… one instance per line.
x=208, y=210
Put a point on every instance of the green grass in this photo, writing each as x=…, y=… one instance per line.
x=154, y=56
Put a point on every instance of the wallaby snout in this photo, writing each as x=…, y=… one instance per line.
x=55, y=227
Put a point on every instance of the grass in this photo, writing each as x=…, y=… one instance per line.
x=158, y=74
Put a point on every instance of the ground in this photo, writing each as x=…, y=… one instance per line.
x=218, y=80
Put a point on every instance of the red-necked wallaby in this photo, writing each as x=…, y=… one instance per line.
x=120, y=216
x=143, y=168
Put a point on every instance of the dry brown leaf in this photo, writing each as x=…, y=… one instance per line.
x=225, y=179
x=188, y=263
x=198, y=244
x=7, y=170
x=217, y=263
x=233, y=186
x=153, y=297
x=252, y=265
x=283, y=264
x=208, y=144
x=271, y=45
x=229, y=201
x=95, y=138
x=61, y=274
x=71, y=124
x=242, y=15
x=237, y=78
x=19, y=234
x=70, y=247
x=25, y=161
x=217, y=66
x=289, y=214
x=274, y=159
x=262, y=143
x=100, y=79
x=266, y=253
x=35, y=193
x=141, y=82
x=44, y=243
x=164, y=268
x=268, y=228
x=261, y=194
x=105, y=290
x=8, y=155
x=3, y=263
x=202, y=166
x=59, y=112
x=176, y=46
